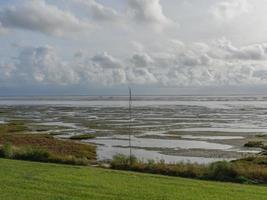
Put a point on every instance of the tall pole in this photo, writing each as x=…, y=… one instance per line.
x=130, y=121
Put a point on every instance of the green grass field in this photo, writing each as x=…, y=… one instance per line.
x=31, y=180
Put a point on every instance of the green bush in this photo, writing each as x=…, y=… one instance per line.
x=192, y=170
x=120, y=161
x=33, y=154
x=7, y=151
x=71, y=160
x=222, y=171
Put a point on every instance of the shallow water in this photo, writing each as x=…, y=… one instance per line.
x=108, y=147
x=159, y=121
x=212, y=137
x=61, y=124
x=231, y=130
x=157, y=143
x=105, y=153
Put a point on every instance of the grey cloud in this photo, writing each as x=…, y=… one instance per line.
x=141, y=76
x=107, y=77
x=261, y=74
x=141, y=60
x=250, y=52
x=41, y=17
x=78, y=54
x=189, y=59
x=105, y=60
x=255, y=52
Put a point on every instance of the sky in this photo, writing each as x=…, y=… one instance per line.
x=100, y=47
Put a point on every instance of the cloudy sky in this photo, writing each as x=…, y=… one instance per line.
x=154, y=46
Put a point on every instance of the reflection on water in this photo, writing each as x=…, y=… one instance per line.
x=108, y=147
x=63, y=124
x=157, y=143
x=107, y=152
x=212, y=137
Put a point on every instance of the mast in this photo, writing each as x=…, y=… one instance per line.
x=130, y=123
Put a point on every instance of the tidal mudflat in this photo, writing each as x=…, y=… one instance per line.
x=185, y=128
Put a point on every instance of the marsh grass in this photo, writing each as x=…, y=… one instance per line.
x=16, y=143
x=32, y=154
x=41, y=155
x=249, y=170
x=49, y=143
x=192, y=170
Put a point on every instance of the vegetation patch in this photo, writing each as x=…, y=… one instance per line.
x=16, y=144
x=82, y=137
x=12, y=127
x=256, y=144
x=46, y=149
x=250, y=170
x=261, y=135
x=41, y=155
x=258, y=160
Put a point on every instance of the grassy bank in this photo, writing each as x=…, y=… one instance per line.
x=21, y=180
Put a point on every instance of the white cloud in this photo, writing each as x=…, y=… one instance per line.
x=42, y=65
x=41, y=17
x=6, y=71
x=228, y=9
x=190, y=67
x=3, y=30
x=148, y=12
x=176, y=45
x=98, y=11
x=137, y=46
x=137, y=52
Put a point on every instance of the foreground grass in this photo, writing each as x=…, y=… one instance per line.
x=21, y=180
